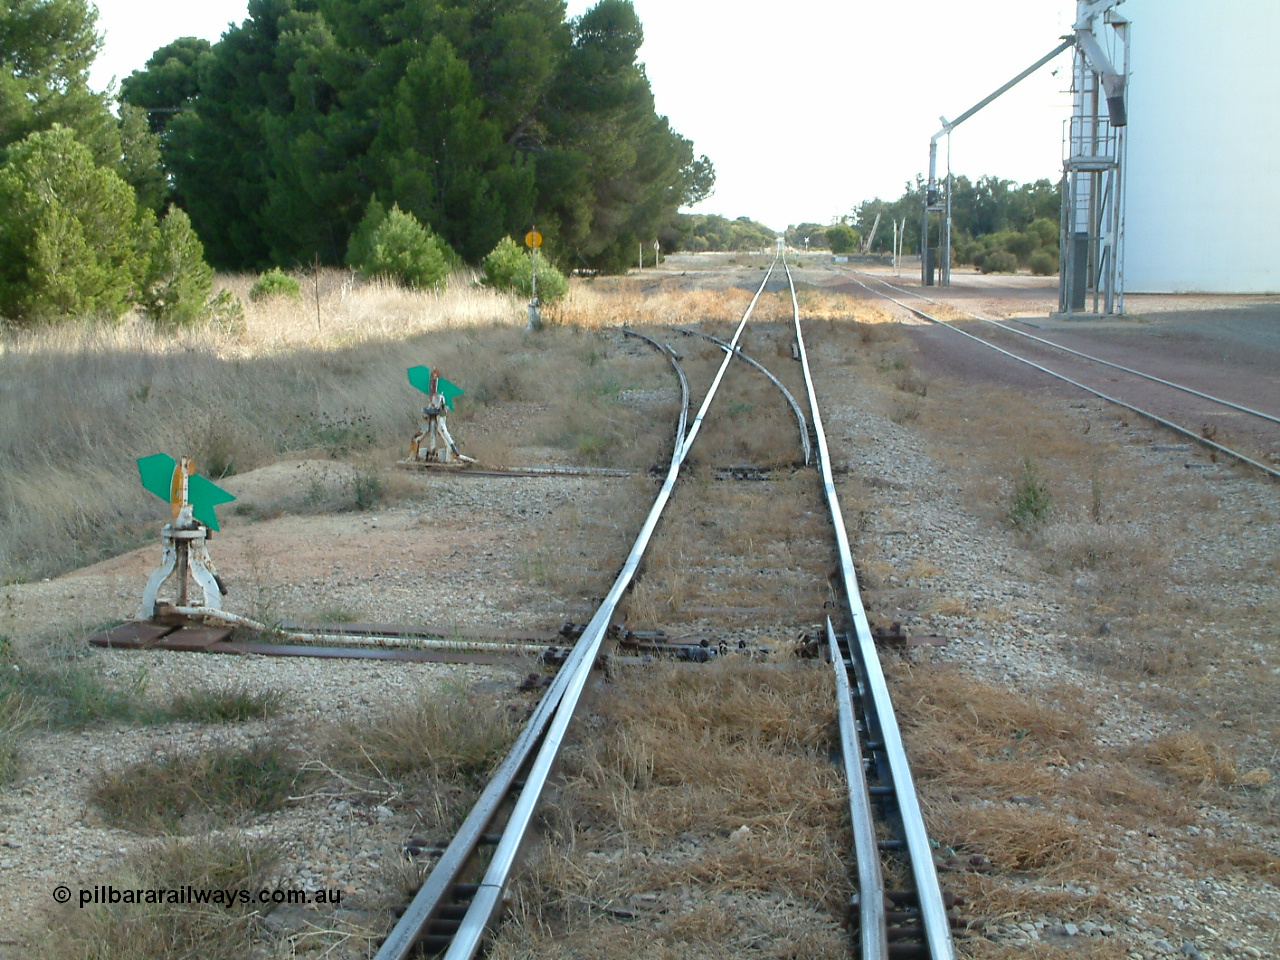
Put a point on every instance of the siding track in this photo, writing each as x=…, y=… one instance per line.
x=456, y=906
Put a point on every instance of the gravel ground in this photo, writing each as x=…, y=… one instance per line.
x=468, y=552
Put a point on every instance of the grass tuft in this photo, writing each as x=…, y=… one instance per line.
x=451, y=733
x=225, y=704
x=220, y=785
x=150, y=931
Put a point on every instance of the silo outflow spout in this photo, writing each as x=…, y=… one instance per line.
x=1113, y=83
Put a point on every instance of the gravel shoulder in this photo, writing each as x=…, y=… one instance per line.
x=936, y=552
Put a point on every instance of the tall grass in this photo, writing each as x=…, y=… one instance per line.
x=79, y=403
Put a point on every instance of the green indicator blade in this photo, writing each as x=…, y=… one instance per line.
x=448, y=390
x=420, y=377
x=156, y=472
x=204, y=496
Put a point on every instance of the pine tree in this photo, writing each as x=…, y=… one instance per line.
x=175, y=291
x=70, y=233
x=46, y=47
x=477, y=117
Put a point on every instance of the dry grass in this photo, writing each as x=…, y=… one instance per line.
x=1191, y=758
x=149, y=931
x=1232, y=858
x=635, y=302
x=701, y=802
x=990, y=743
x=451, y=733
x=78, y=404
x=1018, y=839
x=433, y=753
x=191, y=791
x=716, y=539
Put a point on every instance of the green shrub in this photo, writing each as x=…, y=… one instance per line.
x=841, y=238
x=1021, y=245
x=507, y=267
x=71, y=237
x=1046, y=230
x=1031, y=504
x=175, y=291
x=275, y=283
x=999, y=261
x=966, y=250
x=1043, y=263
x=396, y=246
x=360, y=246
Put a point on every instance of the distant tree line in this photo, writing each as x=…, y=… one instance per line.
x=395, y=136
x=699, y=232
x=997, y=225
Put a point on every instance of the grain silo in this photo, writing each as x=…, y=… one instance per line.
x=1202, y=206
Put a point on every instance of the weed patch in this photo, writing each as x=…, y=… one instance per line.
x=217, y=786
x=150, y=931
x=1031, y=503
x=225, y=704
x=70, y=691
x=450, y=733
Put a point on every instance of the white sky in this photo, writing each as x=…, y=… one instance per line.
x=805, y=107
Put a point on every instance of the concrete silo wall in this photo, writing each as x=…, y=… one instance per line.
x=1203, y=210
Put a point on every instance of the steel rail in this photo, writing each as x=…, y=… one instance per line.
x=795, y=407
x=1106, y=363
x=426, y=904
x=1154, y=417
x=365, y=639
x=872, y=935
x=937, y=927
x=715, y=383
x=666, y=351
x=553, y=716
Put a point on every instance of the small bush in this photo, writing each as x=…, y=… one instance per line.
x=221, y=785
x=275, y=283
x=1043, y=263
x=507, y=267
x=226, y=704
x=1032, y=503
x=999, y=261
x=1021, y=245
x=175, y=291
x=1046, y=231
x=394, y=245
x=72, y=242
x=367, y=488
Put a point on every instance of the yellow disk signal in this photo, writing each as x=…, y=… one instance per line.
x=533, y=239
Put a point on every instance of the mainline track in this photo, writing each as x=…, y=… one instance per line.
x=450, y=915
x=1196, y=436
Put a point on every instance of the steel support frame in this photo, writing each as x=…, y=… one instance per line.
x=1091, y=233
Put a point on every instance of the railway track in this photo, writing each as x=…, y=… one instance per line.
x=1083, y=362
x=461, y=897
